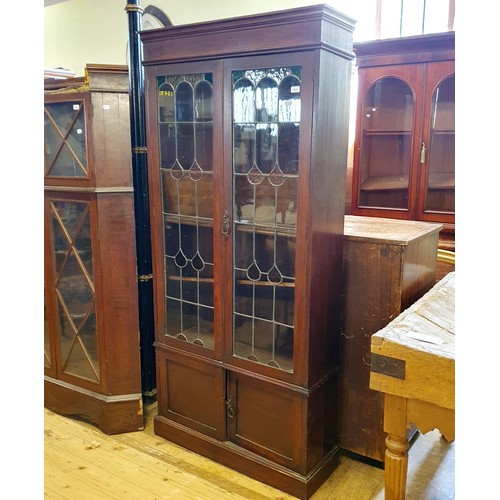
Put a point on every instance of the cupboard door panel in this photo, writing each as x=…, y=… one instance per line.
x=191, y=393
x=266, y=419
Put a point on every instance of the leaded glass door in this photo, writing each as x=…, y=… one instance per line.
x=74, y=285
x=65, y=139
x=185, y=129
x=266, y=112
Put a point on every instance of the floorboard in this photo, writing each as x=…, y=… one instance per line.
x=82, y=463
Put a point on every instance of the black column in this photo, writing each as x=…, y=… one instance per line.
x=141, y=199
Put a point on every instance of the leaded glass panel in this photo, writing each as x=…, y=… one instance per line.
x=185, y=124
x=65, y=147
x=266, y=129
x=75, y=289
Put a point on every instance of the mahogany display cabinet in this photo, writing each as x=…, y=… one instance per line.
x=247, y=124
x=92, y=354
x=404, y=152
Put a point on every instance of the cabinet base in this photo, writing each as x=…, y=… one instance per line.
x=248, y=463
x=112, y=414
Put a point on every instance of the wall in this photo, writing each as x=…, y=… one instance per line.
x=77, y=32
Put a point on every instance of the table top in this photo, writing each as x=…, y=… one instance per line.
x=414, y=355
x=383, y=230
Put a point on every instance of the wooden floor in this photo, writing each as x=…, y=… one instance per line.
x=83, y=463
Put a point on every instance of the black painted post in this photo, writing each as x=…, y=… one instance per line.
x=141, y=200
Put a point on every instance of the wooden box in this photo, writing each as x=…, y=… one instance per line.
x=388, y=265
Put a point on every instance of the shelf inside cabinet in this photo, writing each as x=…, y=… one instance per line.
x=442, y=181
x=284, y=284
x=188, y=220
x=372, y=131
x=387, y=182
x=437, y=131
x=191, y=279
x=279, y=229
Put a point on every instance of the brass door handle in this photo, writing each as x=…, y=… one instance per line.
x=225, y=223
x=229, y=408
x=423, y=150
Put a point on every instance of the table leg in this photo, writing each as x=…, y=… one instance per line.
x=396, y=453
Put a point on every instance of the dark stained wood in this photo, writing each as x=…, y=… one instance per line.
x=407, y=50
x=190, y=392
x=113, y=398
x=280, y=31
x=112, y=414
x=388, y=265
x=422, y=62
x=274, y=425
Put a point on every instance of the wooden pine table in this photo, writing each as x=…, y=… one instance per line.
x=413, y=365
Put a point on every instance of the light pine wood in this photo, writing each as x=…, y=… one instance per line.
x=413, y=365
x=83, y=463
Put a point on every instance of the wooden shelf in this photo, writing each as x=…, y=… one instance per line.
x=192, y=279
x=386, y=182
x=283, y=284
x=279, y=230
x=442, y=181
x=373, y=131
x=188, y=220
x=443, y=131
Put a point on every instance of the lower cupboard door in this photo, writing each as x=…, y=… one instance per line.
x=192, y=393
x=265, y=418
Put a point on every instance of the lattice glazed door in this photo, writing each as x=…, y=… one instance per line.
x=65, y=139
x=70, y=243
x=75, y=289
x=186, y=177
x=266, y=130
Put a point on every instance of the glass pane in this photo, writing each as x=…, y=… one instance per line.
x=244, y=101
x=289, y=100
x=441, y=154
x=75, y=290
x=65, y=140
x=266, y=146
x=266, y=100
x=185, y=144
x=243, y=147
x=203, y=102
x=186, y=174
x=184, y=102
x=386, y=144
x=166, y=103
x=265, y=167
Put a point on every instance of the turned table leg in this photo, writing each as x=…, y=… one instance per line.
x=396, y=453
